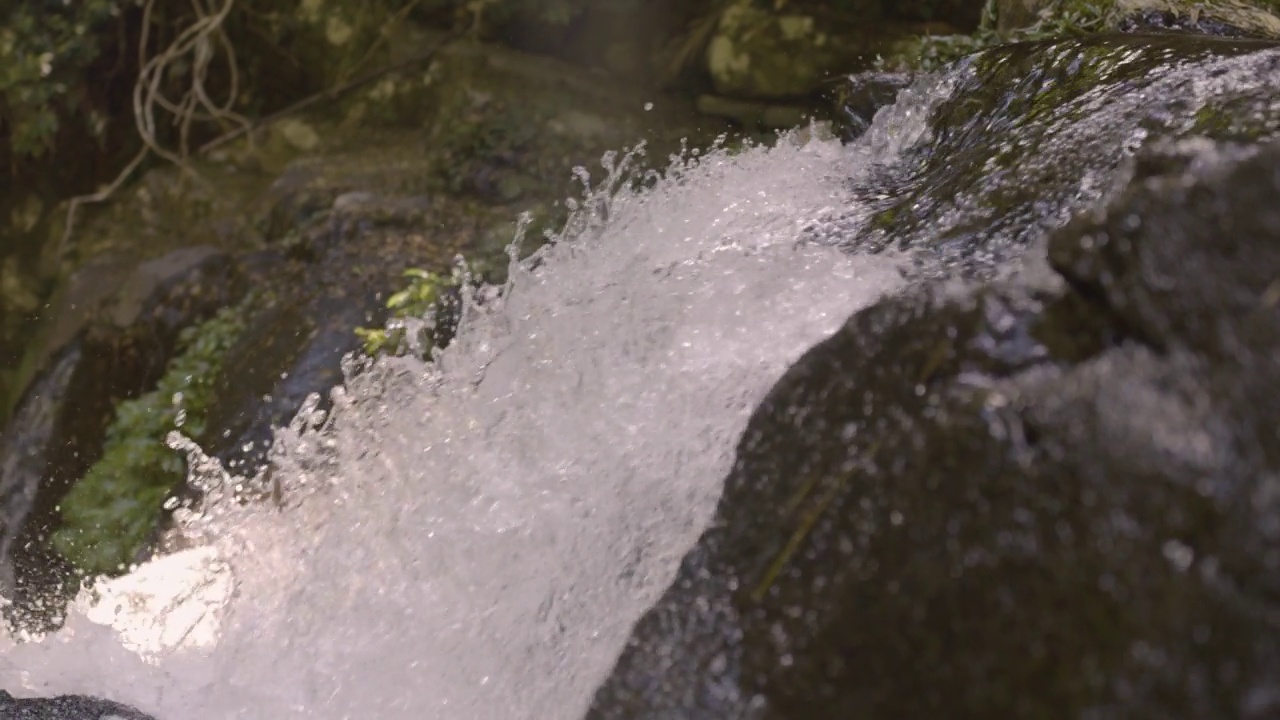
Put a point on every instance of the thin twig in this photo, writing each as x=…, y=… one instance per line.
x=200, y=38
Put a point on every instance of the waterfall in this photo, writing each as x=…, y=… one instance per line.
x=474, y=537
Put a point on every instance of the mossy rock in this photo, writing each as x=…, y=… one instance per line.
x=1027, y=133
x=1243, y=18
x=1009, y=21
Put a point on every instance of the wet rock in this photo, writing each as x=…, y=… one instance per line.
x=25, y=450
x=65, y=707
x=294, y=346
x=1150, y=21
x=113, y=287
x=1054, y=495
x=1030, y=133
x=150, y=279
x=1202, y=281
x=1224, y=18
x=85, y=294
x=860, y=96
x=1016, y=21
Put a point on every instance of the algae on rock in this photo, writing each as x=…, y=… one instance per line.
x=976, y=195
x=1007, y=21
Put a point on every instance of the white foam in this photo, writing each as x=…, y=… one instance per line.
x=171, y=603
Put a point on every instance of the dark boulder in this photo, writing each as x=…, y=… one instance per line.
x=65, y=707
x=1035, y=498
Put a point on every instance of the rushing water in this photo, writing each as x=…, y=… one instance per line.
x=474, y=538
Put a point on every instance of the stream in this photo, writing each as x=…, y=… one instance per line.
x=476, y=537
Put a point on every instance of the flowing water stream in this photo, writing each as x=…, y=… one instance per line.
x=474, y=538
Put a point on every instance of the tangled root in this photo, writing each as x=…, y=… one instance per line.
x=197, y=47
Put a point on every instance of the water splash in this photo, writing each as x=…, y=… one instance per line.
x=474, y=537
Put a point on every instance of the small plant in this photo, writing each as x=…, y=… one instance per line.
x=421, y=300
x=110, y=513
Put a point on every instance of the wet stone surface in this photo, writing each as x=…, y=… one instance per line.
x=1031, y=133
x=1047, y=497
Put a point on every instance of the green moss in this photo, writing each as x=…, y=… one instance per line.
x=996, y=149
x=1248, y=120
x=884, y=220
x=110, y=513
x=1077, y=18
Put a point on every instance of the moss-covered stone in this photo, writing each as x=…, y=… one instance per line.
x=1006, y=21
x=1248, y=18
x=1029, y=131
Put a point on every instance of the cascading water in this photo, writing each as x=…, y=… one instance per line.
x=474, y=538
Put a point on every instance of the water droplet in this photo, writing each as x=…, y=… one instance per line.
x=1179, y=554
